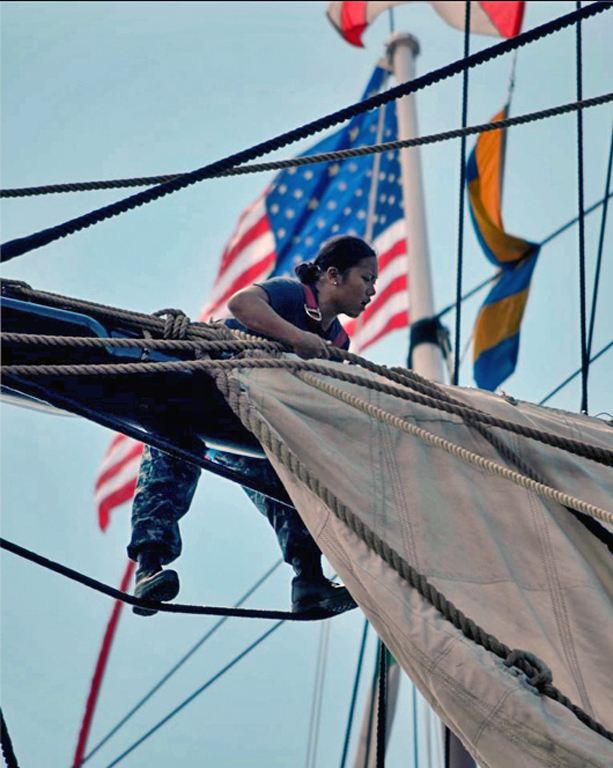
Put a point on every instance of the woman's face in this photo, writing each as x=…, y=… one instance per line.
x=356, y=287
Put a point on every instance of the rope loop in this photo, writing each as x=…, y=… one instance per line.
x=538, y=673
x=176, y=323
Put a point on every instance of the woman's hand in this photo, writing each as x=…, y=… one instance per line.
x=310, y=345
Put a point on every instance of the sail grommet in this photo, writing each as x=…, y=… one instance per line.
x=538, y=673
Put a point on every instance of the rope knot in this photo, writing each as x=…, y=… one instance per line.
x=538, y=673
x=176, y=323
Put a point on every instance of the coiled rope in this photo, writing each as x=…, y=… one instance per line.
x=19, y=246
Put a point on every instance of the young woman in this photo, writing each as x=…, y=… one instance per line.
x=303, y=314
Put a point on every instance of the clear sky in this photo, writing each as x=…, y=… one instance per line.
x=107, y=90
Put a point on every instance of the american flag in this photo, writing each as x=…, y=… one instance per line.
x=286, y=225
x=306, y=205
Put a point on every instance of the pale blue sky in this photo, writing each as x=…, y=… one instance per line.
x=104, y=90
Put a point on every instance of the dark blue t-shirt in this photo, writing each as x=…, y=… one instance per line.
x=287, y=298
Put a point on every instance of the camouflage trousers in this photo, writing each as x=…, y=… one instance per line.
x=164, y=492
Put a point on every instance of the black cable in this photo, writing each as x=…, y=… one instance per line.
x=202, y=688
x=382, y=706
x=574, y=220
x=460, y=265
x=180, y=663
x=371, y=710
x=7, y=746
x=200, y=610
x=354, y=695
x=575, y=374
x=603, y=223
x=19, y=246
x=580, y=184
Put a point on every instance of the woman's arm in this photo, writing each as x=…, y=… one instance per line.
x=251, y=307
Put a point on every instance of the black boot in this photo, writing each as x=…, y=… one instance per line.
x=152, y=583
x=314, y=594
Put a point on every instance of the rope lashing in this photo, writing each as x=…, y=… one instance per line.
x=19, y=246
x=538, y=673
x=323, y=157
x=448, y=610
x=176, y=323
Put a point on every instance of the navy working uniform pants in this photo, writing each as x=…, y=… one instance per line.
x=165, y=489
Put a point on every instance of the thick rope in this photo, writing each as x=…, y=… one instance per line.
x=455, y=450
x=19, y=246
x=7, y=745
x=533, y=668
x=105, y=589
x=427, y=393
x=324, y=157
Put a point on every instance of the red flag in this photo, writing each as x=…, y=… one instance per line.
x=500, y=19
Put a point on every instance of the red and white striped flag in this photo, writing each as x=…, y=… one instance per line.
x=500, y=19
x=116, y=480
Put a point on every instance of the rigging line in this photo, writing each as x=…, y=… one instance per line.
x=324, y=157
x=354, y=694
x=19, y=246
x=7, y=745
x=603, y=222
x=415, y=750
x=575, y=219
x=382, y=705
x=460, y=263
x=411, y=387
x=315, y=719
x=180, y=663
x=548, y=239
x=196, y=693
x=580, y=184
x=575, y=374
x=371, y=709
x=201, y=610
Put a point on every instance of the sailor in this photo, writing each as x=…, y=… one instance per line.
x=303, y=314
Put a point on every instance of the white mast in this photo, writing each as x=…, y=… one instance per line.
x=427, y=358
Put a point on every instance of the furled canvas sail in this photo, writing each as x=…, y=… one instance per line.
x=420, y=530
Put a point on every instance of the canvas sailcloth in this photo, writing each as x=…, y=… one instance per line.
x=521, y=566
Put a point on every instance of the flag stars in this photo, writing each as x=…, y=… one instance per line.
x=353, y=134
x=313, y=204
x=308, y=174
x=331, y=205
x=298, y=193
x=333, y=170
x=290, y=213
x=274, y=209
x=282, y=189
